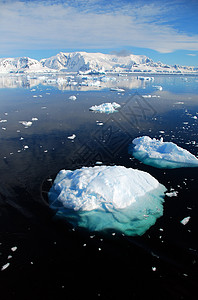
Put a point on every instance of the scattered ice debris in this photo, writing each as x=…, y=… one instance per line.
x=99, y=163
x=185, y=220
x=108, y=197
x=179, y=102
x=105, y=107
x=14, y=248
x=160, y=154
x=145, y=78
x=117, y=90
x=73, y=98
x=158, y=87
x=34, y=119
x=72, y=137
x=5, y=266
x=26, y=123
x=146, y=96
x=172, y=194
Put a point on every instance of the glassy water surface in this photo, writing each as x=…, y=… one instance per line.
x=52, y=257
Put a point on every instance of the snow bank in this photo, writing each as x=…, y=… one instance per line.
x=161, y=154
x=108, y=197
x=105, y=107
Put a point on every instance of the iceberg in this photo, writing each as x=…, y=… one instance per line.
x=160, y=154
x=108, y=197
x=105, y=107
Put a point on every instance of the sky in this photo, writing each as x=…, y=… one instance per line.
x=163, y=30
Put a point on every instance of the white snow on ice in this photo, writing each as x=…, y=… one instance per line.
x=160, y=154
x=108, y=197
x=105, y=107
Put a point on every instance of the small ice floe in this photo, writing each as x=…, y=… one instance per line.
x=145, y=78
x=172, y=194
x=105, y=107
x=185, y=220
x=25, y=147
x=26, y=123
x=194, y=117
x=117, y=90
x=5, y=266
x=34, y=119
x=3, y=128
x=14, y=248
x=160, y=154
x=100, y=123
x=146, y=96
x=72, y=98
x=3, y=121
x=72, y=137
x=34, y=96
x=108, y=197
x=158, y=87
x=154, y=269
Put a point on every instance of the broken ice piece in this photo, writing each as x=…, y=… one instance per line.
x=72, y=137
x=185, y=220
x=5, y=266
x=26, y=123
x=72, y=98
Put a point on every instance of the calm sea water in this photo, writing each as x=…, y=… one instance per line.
x=52, y=259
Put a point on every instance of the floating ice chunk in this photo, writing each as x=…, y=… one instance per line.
x=145, y=78
x=172, y=194
x=3, y=121
x=158, y=87
x=26, y=123
x=117, y=90
x=185, y=220
x=14, y=248
x=161, y=154
x=104, y=197
x=34, y=119
x=72, y=98
x=105, y=107
x=5, y=266
x=72, y=137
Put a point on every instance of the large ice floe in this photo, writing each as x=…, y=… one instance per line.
x=108, y=197
x=160, y=154
x=105, y=107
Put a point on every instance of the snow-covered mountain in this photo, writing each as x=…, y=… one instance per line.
x=21, y=65
x=84, y=62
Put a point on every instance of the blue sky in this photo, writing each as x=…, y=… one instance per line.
x=163, y=30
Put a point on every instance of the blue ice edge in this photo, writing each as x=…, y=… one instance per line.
x=170, y=155
x=132, y=220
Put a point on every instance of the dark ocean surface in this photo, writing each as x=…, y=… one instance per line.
x=43, y=256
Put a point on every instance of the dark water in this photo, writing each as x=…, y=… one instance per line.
x=54, y=260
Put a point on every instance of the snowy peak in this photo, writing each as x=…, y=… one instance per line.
x=83, y=61
x=90, y=63
x=20, y=65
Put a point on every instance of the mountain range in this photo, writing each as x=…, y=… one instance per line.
x=83, y=62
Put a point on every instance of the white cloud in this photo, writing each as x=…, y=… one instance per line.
x=52, y=25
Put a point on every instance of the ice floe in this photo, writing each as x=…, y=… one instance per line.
x=72, y=137
x=26, y=123
x=160, y=154
x=105, y=107
x=108, y=197
x=185, y=220
x=72, y=98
